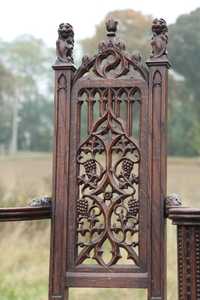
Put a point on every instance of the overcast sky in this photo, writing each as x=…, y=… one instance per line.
x=42, y=17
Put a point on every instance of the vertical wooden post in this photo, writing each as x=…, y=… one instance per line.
x=187, y=220
x=188, y=262
x=158, y=77
x=63, y=77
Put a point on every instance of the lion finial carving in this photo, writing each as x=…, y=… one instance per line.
x=159, y=39
x=173, y=200
x=41, y=201
x=65, y=42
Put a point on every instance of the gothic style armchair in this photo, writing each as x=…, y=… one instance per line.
x=108, y=216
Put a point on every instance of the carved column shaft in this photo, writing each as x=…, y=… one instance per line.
x=188, y=262
x=63, y=77
x=158, y=76
x=187, y=220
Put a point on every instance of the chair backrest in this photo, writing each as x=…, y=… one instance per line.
x=109, y=173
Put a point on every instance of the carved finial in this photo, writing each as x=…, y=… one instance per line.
x=173, y=200
x=159, y=39
x=65, y=42
x=111, y=26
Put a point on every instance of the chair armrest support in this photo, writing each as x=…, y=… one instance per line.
x=187, y=220
x=24, y=213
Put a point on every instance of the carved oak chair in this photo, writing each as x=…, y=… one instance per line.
x=108, y=216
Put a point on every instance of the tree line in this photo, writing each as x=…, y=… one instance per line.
x=26, y=85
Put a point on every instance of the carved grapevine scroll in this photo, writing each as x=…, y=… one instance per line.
x=108, y=157
x=108, y=206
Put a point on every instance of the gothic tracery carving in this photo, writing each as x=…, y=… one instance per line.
x=113, y=52
x=108, y=205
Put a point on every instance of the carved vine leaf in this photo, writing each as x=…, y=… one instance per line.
x=123, y=218
x=125, y=145
x=125, y=176
x=93, y=146
x=110, y=214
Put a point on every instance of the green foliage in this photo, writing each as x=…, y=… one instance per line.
x=183, y=48
x=6, y=84
x=35, y=118
x=181, y=136
x=5, y=124
x=184, y=45
x=30, y=61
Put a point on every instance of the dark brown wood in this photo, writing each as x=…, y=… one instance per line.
x=108, y=226
x=61, y=174
x=24, y=213
x=184, y=215
x=108, y=214
x=187, y=220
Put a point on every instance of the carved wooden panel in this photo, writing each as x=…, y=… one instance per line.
x=108, y=203
x=111, y=197
x=108, y=227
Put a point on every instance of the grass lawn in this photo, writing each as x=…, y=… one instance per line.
x=24, y=246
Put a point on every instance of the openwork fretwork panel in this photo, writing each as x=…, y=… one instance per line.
x=108, y=159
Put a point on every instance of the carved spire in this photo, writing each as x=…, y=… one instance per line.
x=65, y=43
x=111, y=26
x=159, y=39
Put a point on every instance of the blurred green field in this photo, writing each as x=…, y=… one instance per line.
x=24, y=246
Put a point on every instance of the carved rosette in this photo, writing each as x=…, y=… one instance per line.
x=108, y=206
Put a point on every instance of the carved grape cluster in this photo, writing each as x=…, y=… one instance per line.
x=127, y=166
x=133, y=205
x=82, y=207
x=90, y=167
